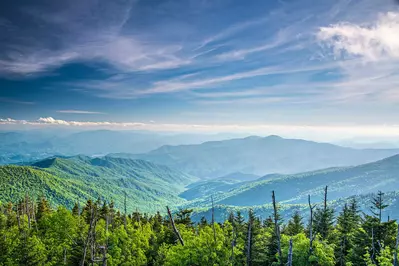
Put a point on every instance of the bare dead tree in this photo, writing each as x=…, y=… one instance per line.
x=277, y=227
x=341, y=253
x=34, y=214
x=325, y=198
x=213, y=221
x=372, y=246
x=18, y=217
x=249, y=241
x=290, y=253
x=65, y=256
x=395, y=261
x=89, y=234
x=233, y=243
x=27, y=209
x=177, y=233
x=311, y=237
x=124, y=203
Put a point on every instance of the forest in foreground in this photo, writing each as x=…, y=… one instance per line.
x=33, y=233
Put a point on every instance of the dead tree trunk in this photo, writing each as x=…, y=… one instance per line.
x=290, y=253
x=325, y=198
x=342, y=255
x=395, y=262
x=213, y=221
x=124, y=202
x=65, y=256
x=311, y=237
x=277, y=228
x=89, y=235
x=18, y=218
x=104, y=259
x=177, y=233
x=249, y=242
x=372, y=246
x=27, y=209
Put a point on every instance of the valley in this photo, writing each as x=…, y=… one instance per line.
x=188, y=176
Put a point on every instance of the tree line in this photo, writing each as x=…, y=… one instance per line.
x=33, y=233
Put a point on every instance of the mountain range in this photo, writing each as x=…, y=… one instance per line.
x=258, y=156
x=26, y=146
x=237, y=173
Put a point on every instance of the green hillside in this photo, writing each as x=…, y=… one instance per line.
x=148, y=186
x=259, y=156
x=343, y=182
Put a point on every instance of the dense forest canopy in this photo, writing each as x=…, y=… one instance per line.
x=97, y=233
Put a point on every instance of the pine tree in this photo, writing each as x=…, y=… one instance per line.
x=75, y=209
x=43, y=208
x=347, y=225
x=184, y=217
x=295, y=225
x=378, y=205
x=323, y=219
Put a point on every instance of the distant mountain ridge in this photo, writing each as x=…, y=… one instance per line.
x=294, y=189
x=25, y=146
x=259, y=156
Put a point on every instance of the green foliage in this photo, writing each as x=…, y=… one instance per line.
x=63, y=181
x=33, y=233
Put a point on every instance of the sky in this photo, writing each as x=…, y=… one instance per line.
x=278, y=67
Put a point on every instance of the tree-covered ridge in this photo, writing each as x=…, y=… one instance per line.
x=65, y=180
x=97, y=233
x=343, y=182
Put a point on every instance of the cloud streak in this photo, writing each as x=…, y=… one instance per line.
x=78, y=112
x=14, y=101
x=284, y=130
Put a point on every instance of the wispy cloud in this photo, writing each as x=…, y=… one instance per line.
x=257, y=128
x=294, y=55
x=124, y=89
x=78, y=112
x=81, y=32
x=14, y=101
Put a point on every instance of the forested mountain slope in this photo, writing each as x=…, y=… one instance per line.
x=258, y=155
x=343, y=182
x=65, y=180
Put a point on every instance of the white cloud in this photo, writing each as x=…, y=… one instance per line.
x=371, y=41
x=303, y=131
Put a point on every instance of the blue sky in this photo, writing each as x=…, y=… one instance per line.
x=217, y=65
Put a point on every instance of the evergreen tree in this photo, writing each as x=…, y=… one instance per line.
x=75, y=209
x=378, y=205
x=323, y=220
x=295, y=225
x=184, y=217
x=43, y=208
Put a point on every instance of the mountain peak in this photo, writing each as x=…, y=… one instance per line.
x=273, y=137
x=46, y=163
